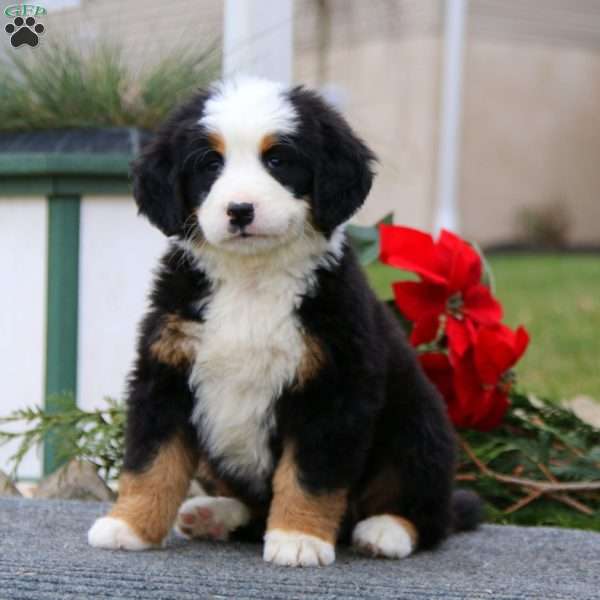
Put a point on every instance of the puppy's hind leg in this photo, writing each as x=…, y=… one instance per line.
x=381, y=530
x=406, y=503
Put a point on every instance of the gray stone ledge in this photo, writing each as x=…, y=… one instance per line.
x=44, y=555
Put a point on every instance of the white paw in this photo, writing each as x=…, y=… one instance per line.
x=113, y=534
x=297, y=549
x=383, y=536
x=211, y=517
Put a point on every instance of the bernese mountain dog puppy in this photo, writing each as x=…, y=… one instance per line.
x=265, y=365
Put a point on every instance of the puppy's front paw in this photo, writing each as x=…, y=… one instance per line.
x=210, y=517
x=384, y=535
x=293, y=549
x=114, y=534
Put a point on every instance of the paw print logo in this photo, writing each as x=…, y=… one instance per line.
x=24, y=32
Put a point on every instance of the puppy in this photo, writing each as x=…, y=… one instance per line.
x=265, y=363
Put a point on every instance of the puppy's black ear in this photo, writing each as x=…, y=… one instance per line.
x=343, y=163
x=155, y=186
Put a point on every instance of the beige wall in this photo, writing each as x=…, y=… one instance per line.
x=531, y=137
x=531, y=124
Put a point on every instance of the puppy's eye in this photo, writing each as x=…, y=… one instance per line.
x=279, y=157
x=211, y=163
x=274, y=162
x=214, y=166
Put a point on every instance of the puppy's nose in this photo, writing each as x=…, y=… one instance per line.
x=240, y=214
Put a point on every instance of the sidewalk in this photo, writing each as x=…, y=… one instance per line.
x=44, y=554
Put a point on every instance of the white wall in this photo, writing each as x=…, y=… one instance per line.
x=118, y=251
x=23, y=234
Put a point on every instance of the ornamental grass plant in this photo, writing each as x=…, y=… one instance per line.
x=66, y=85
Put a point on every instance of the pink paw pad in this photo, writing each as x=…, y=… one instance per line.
x=202, y=523
x=212, y=518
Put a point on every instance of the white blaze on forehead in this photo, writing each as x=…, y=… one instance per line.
x=246, y=110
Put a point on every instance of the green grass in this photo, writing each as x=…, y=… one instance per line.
x=557, y=297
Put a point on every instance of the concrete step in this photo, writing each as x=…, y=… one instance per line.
x=44, y=555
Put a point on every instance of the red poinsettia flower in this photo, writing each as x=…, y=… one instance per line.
x=482, y=406
x=458, y=399
x=497, y=350
x=476, y=387
x=483, y=377
x=450, y=271
x=438, y=369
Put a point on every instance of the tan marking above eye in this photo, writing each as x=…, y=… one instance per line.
x=217, y=142
x=267, y=143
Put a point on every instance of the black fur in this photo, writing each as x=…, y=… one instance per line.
x=161, y=175
x=369, y=409
x=160, y=401
x=342, y=163
x=467, y=510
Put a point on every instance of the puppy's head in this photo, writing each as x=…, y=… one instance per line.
x=250, y=165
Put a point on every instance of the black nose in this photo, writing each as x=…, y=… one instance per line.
x=240, y=214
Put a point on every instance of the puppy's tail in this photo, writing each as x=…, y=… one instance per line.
x=467, y=510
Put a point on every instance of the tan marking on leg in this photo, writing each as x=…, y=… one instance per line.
x=148, y=501
x=409, y=527
x=295, y=509
x=311, y=362
x=267, y=143
x=175, y=344
x=217, y=142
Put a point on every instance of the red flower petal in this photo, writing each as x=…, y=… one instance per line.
x=468, y=388
x=497, y=404
x=481, y=407
x=464, y=268
x=425, y=330
x=521, y=342
x=481, y=306
x=417, y=299
x=409, y=249
x=460, y=337
x=497, y=350
x=438, y=369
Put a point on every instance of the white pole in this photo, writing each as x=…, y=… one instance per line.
x=257, y=39
x=447, y=216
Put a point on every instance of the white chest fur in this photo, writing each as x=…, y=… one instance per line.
x=250, y=346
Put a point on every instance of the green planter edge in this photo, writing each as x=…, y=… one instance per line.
x=34, y=174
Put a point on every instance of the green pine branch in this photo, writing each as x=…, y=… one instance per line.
x=96, y=436
x=542, y=442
